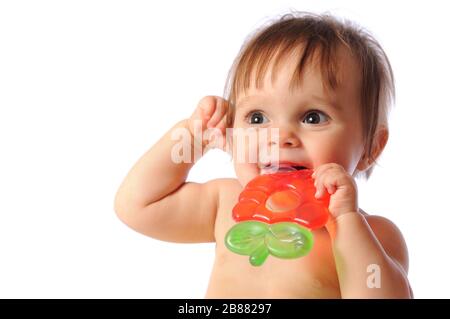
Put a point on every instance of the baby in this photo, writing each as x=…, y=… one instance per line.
x=326, y=86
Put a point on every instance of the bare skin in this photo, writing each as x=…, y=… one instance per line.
x=172, y=210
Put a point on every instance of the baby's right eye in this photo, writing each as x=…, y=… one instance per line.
x=256, y=117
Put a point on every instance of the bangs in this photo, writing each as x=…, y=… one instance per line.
x=268, y=51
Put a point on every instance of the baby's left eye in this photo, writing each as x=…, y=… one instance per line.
x=315, y=117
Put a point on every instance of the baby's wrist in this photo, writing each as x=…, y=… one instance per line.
x=345, y=216
x=336, y=222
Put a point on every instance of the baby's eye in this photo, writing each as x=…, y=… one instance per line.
x=315, y=117
x=256, y=117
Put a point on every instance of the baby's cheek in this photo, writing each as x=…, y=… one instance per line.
x=245, y=147
x=322, y=151
x=341, y=152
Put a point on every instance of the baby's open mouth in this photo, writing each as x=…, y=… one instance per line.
x=281, y=167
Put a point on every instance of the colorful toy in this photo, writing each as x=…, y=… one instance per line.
x=276, y=214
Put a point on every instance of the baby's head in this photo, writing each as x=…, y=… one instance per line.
x=326, y=85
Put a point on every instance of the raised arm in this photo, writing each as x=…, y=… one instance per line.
x=155, y=199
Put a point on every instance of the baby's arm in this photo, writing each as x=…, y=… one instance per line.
x=371, y=258
x=155, y=199
x=370, y=253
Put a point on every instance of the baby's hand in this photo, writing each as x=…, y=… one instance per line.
x=340, y=185
x=211, y=114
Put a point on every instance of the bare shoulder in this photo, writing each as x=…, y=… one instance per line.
x=225, y=186
x=390, y=237
x=222, y=183
x=227, y=183
x=227, y=193
x=220, y=186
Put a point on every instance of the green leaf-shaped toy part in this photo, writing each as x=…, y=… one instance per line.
x=258, y=240
x=289, y=240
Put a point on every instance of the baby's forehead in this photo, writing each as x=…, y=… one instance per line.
x=321, y=72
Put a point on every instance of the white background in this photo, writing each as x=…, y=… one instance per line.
x=86, y=87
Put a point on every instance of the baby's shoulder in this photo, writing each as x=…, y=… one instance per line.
x=226, y=187
x=381, y=225
x=225, y=184
x=227, y=192
x=390, y=237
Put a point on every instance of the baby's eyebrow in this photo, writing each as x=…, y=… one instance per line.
x=325, y=101
x=244, y=101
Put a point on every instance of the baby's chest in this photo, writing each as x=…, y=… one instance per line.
x=313, y=275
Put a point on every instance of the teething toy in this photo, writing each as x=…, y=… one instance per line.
x=276, y=214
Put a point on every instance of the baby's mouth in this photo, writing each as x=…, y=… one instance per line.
x=272, y=168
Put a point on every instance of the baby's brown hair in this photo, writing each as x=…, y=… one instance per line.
x=320, y=35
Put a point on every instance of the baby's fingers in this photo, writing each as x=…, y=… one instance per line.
x=319, y=188
x=203, y=112
x=219, y=114
x=207, y=106
x=325, y=186
x=324, y=182
x=222, y=125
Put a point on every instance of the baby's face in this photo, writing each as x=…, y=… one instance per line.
x=316, y=126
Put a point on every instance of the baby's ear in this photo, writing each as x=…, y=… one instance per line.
x=379, y=143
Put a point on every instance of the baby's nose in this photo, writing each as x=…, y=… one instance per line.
x=287, y=139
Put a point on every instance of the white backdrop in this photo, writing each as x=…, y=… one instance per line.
x=86, y=87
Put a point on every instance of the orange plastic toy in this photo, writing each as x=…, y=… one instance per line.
x=275, y=215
